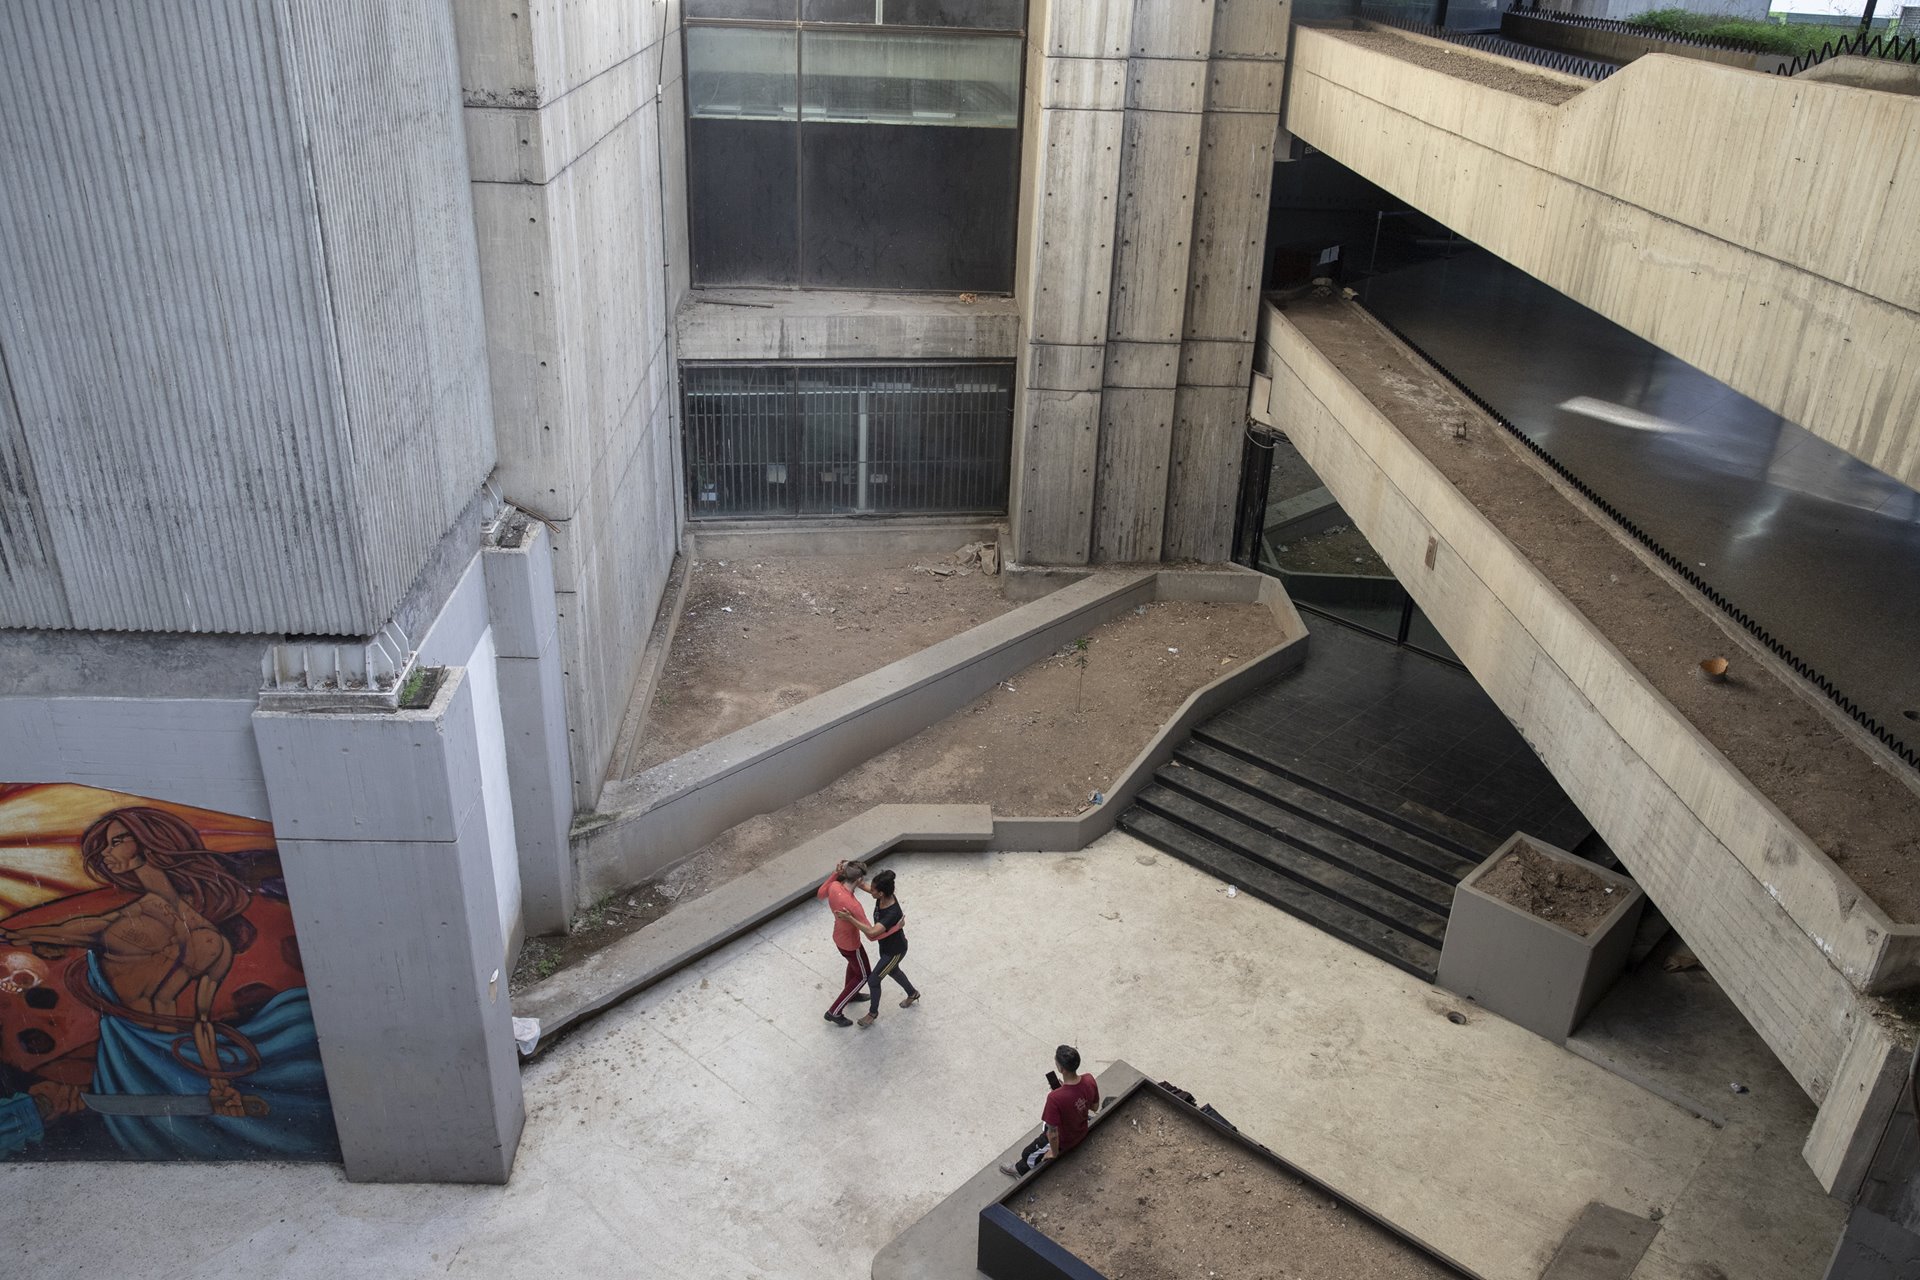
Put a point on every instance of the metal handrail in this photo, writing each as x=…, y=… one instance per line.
x=1731, y=43
x=1551, y=59
x=1911, y=755
x=1887, y=48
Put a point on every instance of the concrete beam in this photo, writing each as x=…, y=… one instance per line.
x=1765, y=243
x=819, y=324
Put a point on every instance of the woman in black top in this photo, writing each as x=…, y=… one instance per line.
x=889, y=929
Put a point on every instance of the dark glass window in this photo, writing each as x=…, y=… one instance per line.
x=799, y=440
x=850, y=158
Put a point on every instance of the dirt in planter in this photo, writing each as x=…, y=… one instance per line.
x=760, y=634
x=1154, y=1194
x=1571, y=897
x=1342, y=549
x=1035, y=746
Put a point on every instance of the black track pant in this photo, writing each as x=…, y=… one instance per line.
x=888, y=966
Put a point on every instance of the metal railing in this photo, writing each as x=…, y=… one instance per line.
x=1888, y=48
x=1635, y=29
x=1805, y=670
x=1551, y=59
x=826, y=439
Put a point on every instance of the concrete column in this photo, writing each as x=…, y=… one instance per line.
x=1160, y=158
x=1076, y=98
x=1141, y=273
x=1246, y=78
x=383, y=841
x=533, y=714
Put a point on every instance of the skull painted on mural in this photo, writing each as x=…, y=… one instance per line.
x=21, y=972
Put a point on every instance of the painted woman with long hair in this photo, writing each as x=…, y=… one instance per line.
x=175, y=943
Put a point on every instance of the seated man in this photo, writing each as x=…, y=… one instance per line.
x=1071, y=1103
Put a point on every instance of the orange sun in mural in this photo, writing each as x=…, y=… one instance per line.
x=152, y=1001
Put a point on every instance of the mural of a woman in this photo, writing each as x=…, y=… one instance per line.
x=171, y=1080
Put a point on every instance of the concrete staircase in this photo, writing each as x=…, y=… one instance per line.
x=1355, y=861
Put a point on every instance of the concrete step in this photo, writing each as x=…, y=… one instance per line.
x=1466, y=842
x=1308, y=866
x=1402, y=950
x=1440, y=862
x=1431, y=893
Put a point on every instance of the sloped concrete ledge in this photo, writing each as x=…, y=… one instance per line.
x=1769, y=915
x=647, y=823
x=712, y=921
x=708, y=923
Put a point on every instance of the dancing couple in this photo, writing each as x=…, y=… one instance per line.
x=888, y=928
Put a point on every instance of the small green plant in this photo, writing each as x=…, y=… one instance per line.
x=594, y=915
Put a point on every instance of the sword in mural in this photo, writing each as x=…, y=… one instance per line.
x=162, y=1104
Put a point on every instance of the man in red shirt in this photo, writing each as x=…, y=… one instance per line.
x=1070, y=1105
x=838, y=892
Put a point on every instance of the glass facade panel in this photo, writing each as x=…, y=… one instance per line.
x=800, y=440
x=871, y=77
x=844, y=158
x=742, y=73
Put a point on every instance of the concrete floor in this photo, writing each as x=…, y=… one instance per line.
x=717, y=1126
x=1820, y=548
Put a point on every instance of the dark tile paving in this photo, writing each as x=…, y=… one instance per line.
x=1360, y=709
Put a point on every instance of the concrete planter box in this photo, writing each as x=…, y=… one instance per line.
x=1528, y=970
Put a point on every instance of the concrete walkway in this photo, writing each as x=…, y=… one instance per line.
x=715, y=1125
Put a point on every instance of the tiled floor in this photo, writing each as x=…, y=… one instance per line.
x=1361, y=712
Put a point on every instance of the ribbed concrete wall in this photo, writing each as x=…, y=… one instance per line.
x=1149, y=152
x=1756, y=226
x=575, y=129
x=241, y=326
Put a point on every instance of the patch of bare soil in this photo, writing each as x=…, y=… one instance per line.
x=1571, y=897
x=1858, y=813
x=1484, y=70
x=1153, y=1194
x=1036, y=746
x=1342, y=549
x=765, y=633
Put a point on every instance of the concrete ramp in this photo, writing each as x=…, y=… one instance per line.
x=1466, y=522
x=1756, y=226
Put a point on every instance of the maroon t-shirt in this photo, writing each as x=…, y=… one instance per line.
x=1068, y=1107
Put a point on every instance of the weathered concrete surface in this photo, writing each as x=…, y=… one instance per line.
x=708, y=1126
x=385, y=844
x=574, y=138
x=261, y=276
x=1150, y=135
x=1866, y=73
x=1789, y=938
x=1767, y=242
x=820, y=324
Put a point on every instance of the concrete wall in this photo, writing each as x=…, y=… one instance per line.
x=575, y=134
x=1682, y=820
x=814, y=324
x=242, y=338
x=1149, y=149
x=1767, y=243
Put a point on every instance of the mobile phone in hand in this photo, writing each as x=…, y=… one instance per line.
x=1053, y=1080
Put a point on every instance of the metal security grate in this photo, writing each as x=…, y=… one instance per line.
x=817, y=440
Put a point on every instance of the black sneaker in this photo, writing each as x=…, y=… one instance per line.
x=838, y=1019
